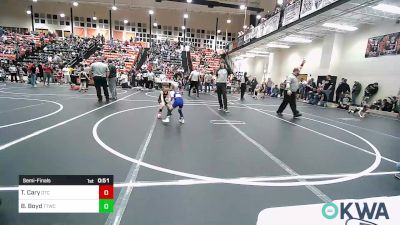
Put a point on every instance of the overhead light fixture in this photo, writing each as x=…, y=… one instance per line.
x=75, y=4
x=151, y=12
x=185, y=15
x=242, y=7
x=183, y=27
x=28, y=12
x=155, y=24
x=228, y=21
x=34, y=0
x=258, y=16
x=126, y=21
x=340, y=26
x=114, y=7
x=218, y=31
x=387, y=8
x=62, y=15
x=189, y=1
x=277, y=46
x=297, y=40
x=279, y=2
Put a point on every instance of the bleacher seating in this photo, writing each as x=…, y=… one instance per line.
x=14, y=46
x=207, y=59
x=124, y=54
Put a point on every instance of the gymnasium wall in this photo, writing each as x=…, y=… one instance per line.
x=345, y=58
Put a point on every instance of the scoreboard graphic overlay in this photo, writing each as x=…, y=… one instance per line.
x=66, y=194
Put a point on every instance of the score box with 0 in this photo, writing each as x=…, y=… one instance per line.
x=66, y=194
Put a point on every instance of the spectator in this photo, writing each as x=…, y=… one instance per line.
x=355, y=91
x=327, y=88
x=309, y=88
x=13, y=71
x=124, y=81
x=345, y=101
x=207, y=82
x=194, y=81
x=112, y=80
x=48, y=74
x=342, y=89
x=270, y=84
x=222, y=78
x=282, y=87
x=253, y=85
x=370, y=90
x=275, y=92
x=243, y=83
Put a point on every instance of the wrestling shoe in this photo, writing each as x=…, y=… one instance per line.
x=181, y=120
x=166, y=120
x=159, y=116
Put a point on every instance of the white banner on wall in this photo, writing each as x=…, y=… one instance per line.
x=292, y=13
x=310, y=6
x=268, y=26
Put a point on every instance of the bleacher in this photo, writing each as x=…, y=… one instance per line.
x=124, y=54
x=14, y=46
x=206, y=58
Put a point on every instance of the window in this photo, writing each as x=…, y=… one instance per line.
x=41, y=18
x=102, y=23
x=65, y=21
x=79, y=22
x=91, y=23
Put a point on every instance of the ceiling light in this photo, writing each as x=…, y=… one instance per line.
x=28, y=12
x=155, y=24
x=114, y=7
x=242, y=7
x=297, y=40
x=185, y=15
x=229, y=21
x=279, y=2
x=189, y=1
x=218, y=31
x=34, y=0
x=183, y=27
x=340, y=26
x=258, y=16
x=277, y=46
x=388, y=8
x=62, y=15
x=126, y=21
x=94, y=18
x=151, y=12
x=75, y=4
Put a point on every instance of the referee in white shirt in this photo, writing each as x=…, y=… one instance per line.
x=100, y=72
x=292, y=86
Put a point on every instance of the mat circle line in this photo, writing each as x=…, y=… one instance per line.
x=345, y=178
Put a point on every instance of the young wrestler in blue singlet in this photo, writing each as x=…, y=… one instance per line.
x=176, y=98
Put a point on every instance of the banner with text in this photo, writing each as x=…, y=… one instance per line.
x=310, y=6
x=268, y=26
x=291, y=14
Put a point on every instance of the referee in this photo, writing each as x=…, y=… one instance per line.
x=292, y=86
x=100, y=72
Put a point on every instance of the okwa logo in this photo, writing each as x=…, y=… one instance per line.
x=351, y=211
